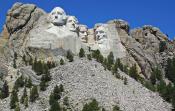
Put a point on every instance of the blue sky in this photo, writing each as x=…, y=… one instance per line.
x=159, y=13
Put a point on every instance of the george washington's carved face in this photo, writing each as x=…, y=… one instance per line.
x=58, y=16
x=72, y=23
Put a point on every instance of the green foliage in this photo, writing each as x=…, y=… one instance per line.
x=133, y=72
x=115, y=68
x=17, y=107
x=156, y=75
x=70, y=56
x=34, y=94
x=95, y=54
x=26, y=104
x=20, y=82
x=28, y=82
x=170, y=70
x=162, y=46
x=14, y=63
x=43, y=85
x=15, y=55
x=81, y=53
x=125, y=81
x=14, y=60
x=41, y=67
x=116, y=108
x=61, y=88
x=5, y=90
x=89, y=57
x=61, y=61
x=23, y=96
x=55, y=106
x=110, y=58
x=103, y=109
x=92, y=106
x=149, y=85
x=120, y=65
x=56, y=94
x=51, y=98
x=100, y=58
x=13, y=99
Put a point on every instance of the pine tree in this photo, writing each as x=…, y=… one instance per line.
x=43, y=85
x=17, y=108
x=14, y=99
x=162, y=46
x=14, y=63
x=51, y=98
x=23, y=96
x=115, y=68
x=120, y=65
x=133, y=72
x=81, y=53
x=100, y=58
x=61, y=88
x=89, y=57
x=116, y=108
x=20, y=81
x=110, y=58
x=55, y=106
x=92, y=106
x=125, y=81
x=57, y=92
x=5, y=90
x=29, y=83
x=26, y=102
x=61, y=61
x=153, y=78
x=69, y=56
x=34, y=94
x=15, y=55
x=105, y=63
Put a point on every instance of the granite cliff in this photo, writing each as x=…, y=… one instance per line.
x=31, y=32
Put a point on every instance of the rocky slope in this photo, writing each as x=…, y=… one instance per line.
x=84, y=80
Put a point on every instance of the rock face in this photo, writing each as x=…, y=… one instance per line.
x=32, y=32
x=30, y=27
x=21, y=18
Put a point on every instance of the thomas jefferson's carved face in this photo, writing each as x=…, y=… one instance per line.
x=100, y=34
x=72, y=23
x=58, y=16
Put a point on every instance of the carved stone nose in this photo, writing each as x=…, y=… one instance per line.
x=56, y=17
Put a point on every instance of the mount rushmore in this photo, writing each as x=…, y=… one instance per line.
x=58, y=30
x=31, y=32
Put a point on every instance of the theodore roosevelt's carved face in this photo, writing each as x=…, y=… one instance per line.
x=83, y=32
x=100, y=35
x=58, y=16
x=72, y=23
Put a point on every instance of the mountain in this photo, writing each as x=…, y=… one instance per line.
x=121, y=71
